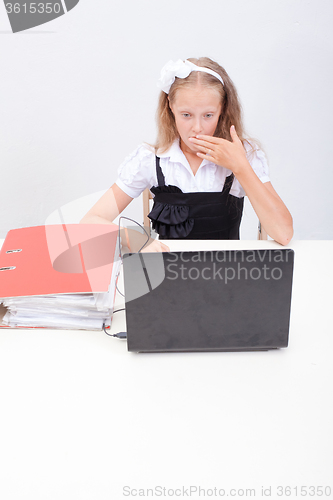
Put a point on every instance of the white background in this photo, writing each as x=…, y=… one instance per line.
x=79, y=94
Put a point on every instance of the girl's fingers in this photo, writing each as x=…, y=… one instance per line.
x=209, y=139
x=206, y=150
x=156, y=246
x=201, y=142
x=206, y=157
x=164, y=248
x=234, y=135
x=209, y=152
x=197, y=142
x=205, y=146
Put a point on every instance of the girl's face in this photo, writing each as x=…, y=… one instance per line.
x=196, y=111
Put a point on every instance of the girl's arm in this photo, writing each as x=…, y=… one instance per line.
x=108, y=207
x=270, y=209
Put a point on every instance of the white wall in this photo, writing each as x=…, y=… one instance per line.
x=79, y=94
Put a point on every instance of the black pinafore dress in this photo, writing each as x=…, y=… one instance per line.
x=197, y=216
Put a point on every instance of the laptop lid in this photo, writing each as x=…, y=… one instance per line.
x=208, y=300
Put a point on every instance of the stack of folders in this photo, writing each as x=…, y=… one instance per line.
x=59, y=276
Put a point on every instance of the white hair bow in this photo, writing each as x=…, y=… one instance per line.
x=180, y=69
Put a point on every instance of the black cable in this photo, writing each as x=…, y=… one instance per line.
x=135, y=222
x=121, y=256
x=123, y=335
x=121, y=293
x=119, y=335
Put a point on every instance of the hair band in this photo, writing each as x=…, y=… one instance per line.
x=180, y=69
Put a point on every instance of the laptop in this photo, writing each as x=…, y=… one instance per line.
x=230, y=300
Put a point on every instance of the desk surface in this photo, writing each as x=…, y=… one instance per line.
x=82, y=418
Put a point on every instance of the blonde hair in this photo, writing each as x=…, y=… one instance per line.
x=231, y=111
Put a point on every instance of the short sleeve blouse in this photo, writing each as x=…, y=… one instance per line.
x=138, y=171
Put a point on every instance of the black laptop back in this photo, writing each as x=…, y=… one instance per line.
x=208, y=300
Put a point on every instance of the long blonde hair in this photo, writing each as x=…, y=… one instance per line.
x=231, y=111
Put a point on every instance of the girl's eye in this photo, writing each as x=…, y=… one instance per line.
x=186, y=115
x=209, y=115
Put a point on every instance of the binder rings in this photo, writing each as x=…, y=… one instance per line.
x=66, y=262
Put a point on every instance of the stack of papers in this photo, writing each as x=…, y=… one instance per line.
x=79, y=312
x=59, y=276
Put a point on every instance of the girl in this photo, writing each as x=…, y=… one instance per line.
x=201, y=166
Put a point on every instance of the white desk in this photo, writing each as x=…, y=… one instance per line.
x=81, y=417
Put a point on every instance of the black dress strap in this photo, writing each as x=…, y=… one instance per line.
x=159, y=173
x=228, y=183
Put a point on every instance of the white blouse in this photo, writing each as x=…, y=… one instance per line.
x=138, y=171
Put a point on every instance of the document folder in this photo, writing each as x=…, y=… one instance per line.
x=64, y=267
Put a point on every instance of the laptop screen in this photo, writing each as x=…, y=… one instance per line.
x=208, y=300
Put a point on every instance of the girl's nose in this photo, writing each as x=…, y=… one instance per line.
x=197, y=126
